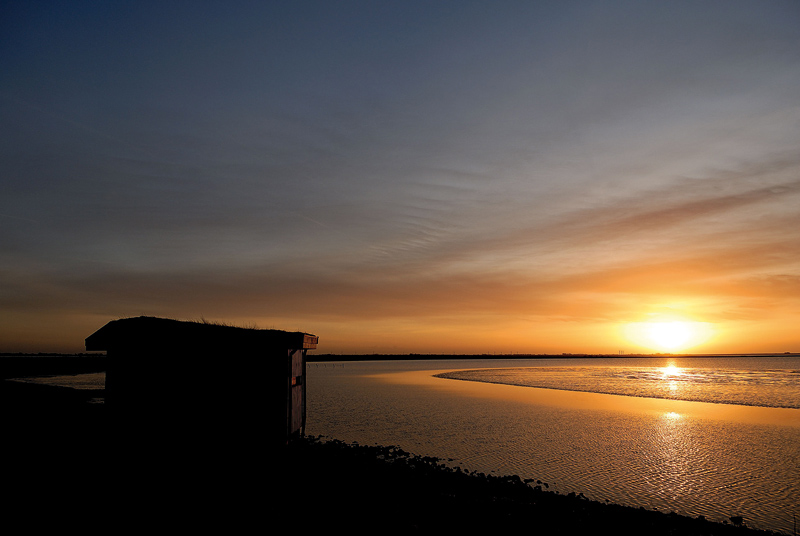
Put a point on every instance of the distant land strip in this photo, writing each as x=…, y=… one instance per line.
x=318, y=358
x=7, y=358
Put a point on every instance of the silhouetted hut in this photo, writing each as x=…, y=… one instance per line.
x=178, y=379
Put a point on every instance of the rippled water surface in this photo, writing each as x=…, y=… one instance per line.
x=714, y=437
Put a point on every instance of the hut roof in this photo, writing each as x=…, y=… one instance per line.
x=152, y=331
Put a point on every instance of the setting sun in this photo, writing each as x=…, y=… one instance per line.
x=669, y=335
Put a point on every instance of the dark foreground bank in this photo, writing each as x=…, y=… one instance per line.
x=365, y=488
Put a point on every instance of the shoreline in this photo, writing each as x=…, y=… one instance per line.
x=363, y=487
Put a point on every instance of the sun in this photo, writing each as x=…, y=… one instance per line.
x=671, y=335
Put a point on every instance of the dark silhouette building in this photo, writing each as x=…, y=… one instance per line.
x=198, y=418
x=178, y=379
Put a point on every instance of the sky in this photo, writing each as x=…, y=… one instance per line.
x=404, y=176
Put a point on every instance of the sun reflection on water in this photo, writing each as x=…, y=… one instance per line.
x=671, y=371
x=672, y=374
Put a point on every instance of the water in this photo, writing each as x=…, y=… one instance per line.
x=715, y=437
x=90, y=381
x=94, y=380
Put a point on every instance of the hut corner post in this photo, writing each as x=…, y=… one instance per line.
x=296, y=394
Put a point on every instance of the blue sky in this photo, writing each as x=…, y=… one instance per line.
x=402, y=176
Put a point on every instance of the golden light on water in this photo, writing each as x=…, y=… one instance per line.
x=668, y=335
x=670, y=374
x=671, y=371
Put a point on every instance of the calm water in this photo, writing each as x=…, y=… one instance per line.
x=716, y=437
